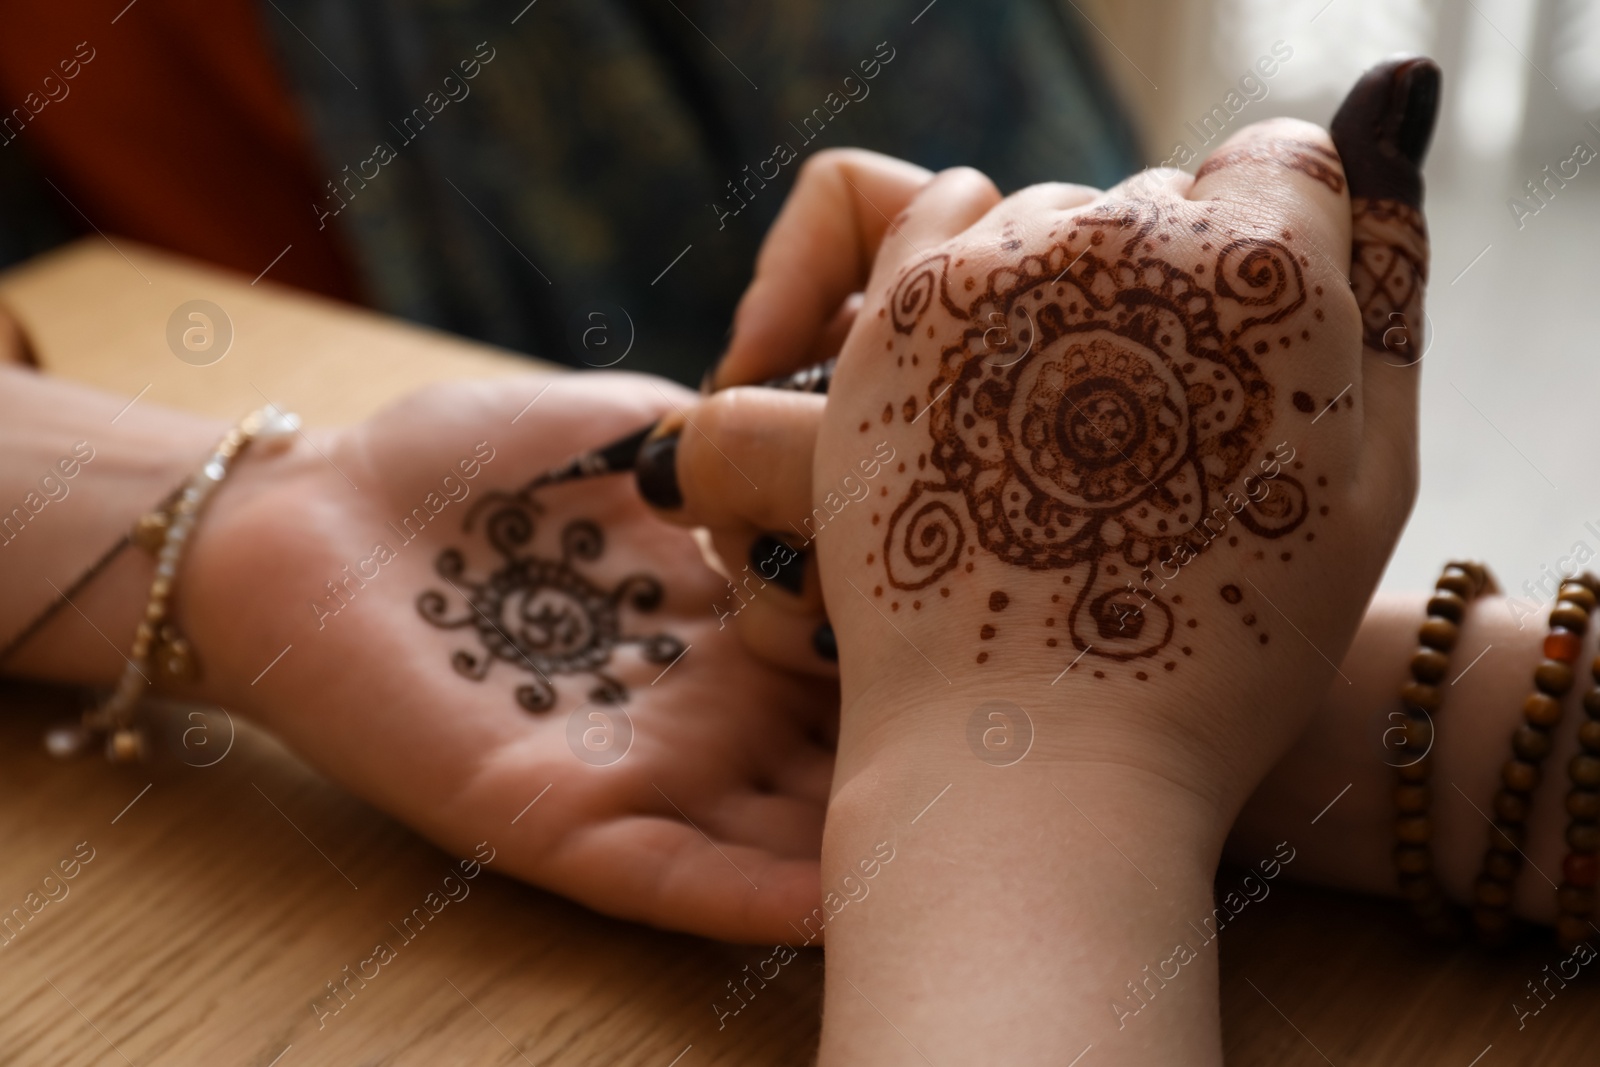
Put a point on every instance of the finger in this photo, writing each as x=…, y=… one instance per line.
x=741, y=457
x=952, y=202
x=1382, y=132
x=785, y=635
x=669, y=874
x=774, y=597
x=818, y=252
x=740, y=466
x=804, y=770
x=832, y=337
x=1287, y=173
x=1155, y=182
x=1051, y=196
x=1036, y=207
x=787, y=825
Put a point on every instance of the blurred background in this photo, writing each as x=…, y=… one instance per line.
x=1509, y=451
x=588, y=182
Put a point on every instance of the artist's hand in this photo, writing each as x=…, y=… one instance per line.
x=564, y=650
x=738, y=463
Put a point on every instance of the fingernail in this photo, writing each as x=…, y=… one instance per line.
x=825, y=644
x=1419, y=113
x=1384, y=127
x=656, y=472
x=768, y=553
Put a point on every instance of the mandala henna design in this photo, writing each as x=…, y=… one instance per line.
x=542, y=614
x=1388, y=273
x=1099, y=420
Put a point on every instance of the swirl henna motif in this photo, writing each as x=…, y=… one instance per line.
x=1111, y=428
x=541, y=614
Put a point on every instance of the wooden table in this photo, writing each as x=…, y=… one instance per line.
x=229, y=885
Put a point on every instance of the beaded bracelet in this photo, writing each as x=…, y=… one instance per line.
x=1575, y=899
x=1459, y=584
x=1552, y=679
x=158, y=645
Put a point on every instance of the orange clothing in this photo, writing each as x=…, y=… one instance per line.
x=167, y=121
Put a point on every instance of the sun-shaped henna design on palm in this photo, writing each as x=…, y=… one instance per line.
x=1097, y=418
x=542, y=614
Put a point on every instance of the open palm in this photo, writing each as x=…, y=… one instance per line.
x=456, y=652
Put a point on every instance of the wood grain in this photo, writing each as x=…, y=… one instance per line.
x=223, y=898
x=98, y=314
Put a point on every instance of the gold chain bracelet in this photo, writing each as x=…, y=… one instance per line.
x=159, y=647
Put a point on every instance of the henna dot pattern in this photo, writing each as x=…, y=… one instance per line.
x=1116, y=417
x=541, y=614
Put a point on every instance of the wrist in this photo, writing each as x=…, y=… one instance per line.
x=1101, y=730
x=1342, y=775
x=1044, y=888
x=234, y=562
x=105, y=463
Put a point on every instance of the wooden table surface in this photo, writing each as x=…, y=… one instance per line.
x=226, y=885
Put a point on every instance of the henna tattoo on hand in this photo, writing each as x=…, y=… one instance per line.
x=540, y=613
x=1388, y=273
x=1315, y=161
x=1098, y=420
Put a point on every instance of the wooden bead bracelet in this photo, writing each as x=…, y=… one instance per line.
x=1420, y=698
x=1575, y=899
x=1492, y=892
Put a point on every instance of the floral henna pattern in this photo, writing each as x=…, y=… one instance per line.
x=541, y=614
x=1105, y=414
x=1388, y=274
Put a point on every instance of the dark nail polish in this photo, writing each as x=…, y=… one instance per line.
x=825, y=644
x=656, y=473
x=1384, y=127
x=776, y=562
x=1421, y=111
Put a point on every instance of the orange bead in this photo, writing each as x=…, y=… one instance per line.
x=1563, y=645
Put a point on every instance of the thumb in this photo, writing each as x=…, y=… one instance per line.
x=1382, y=133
